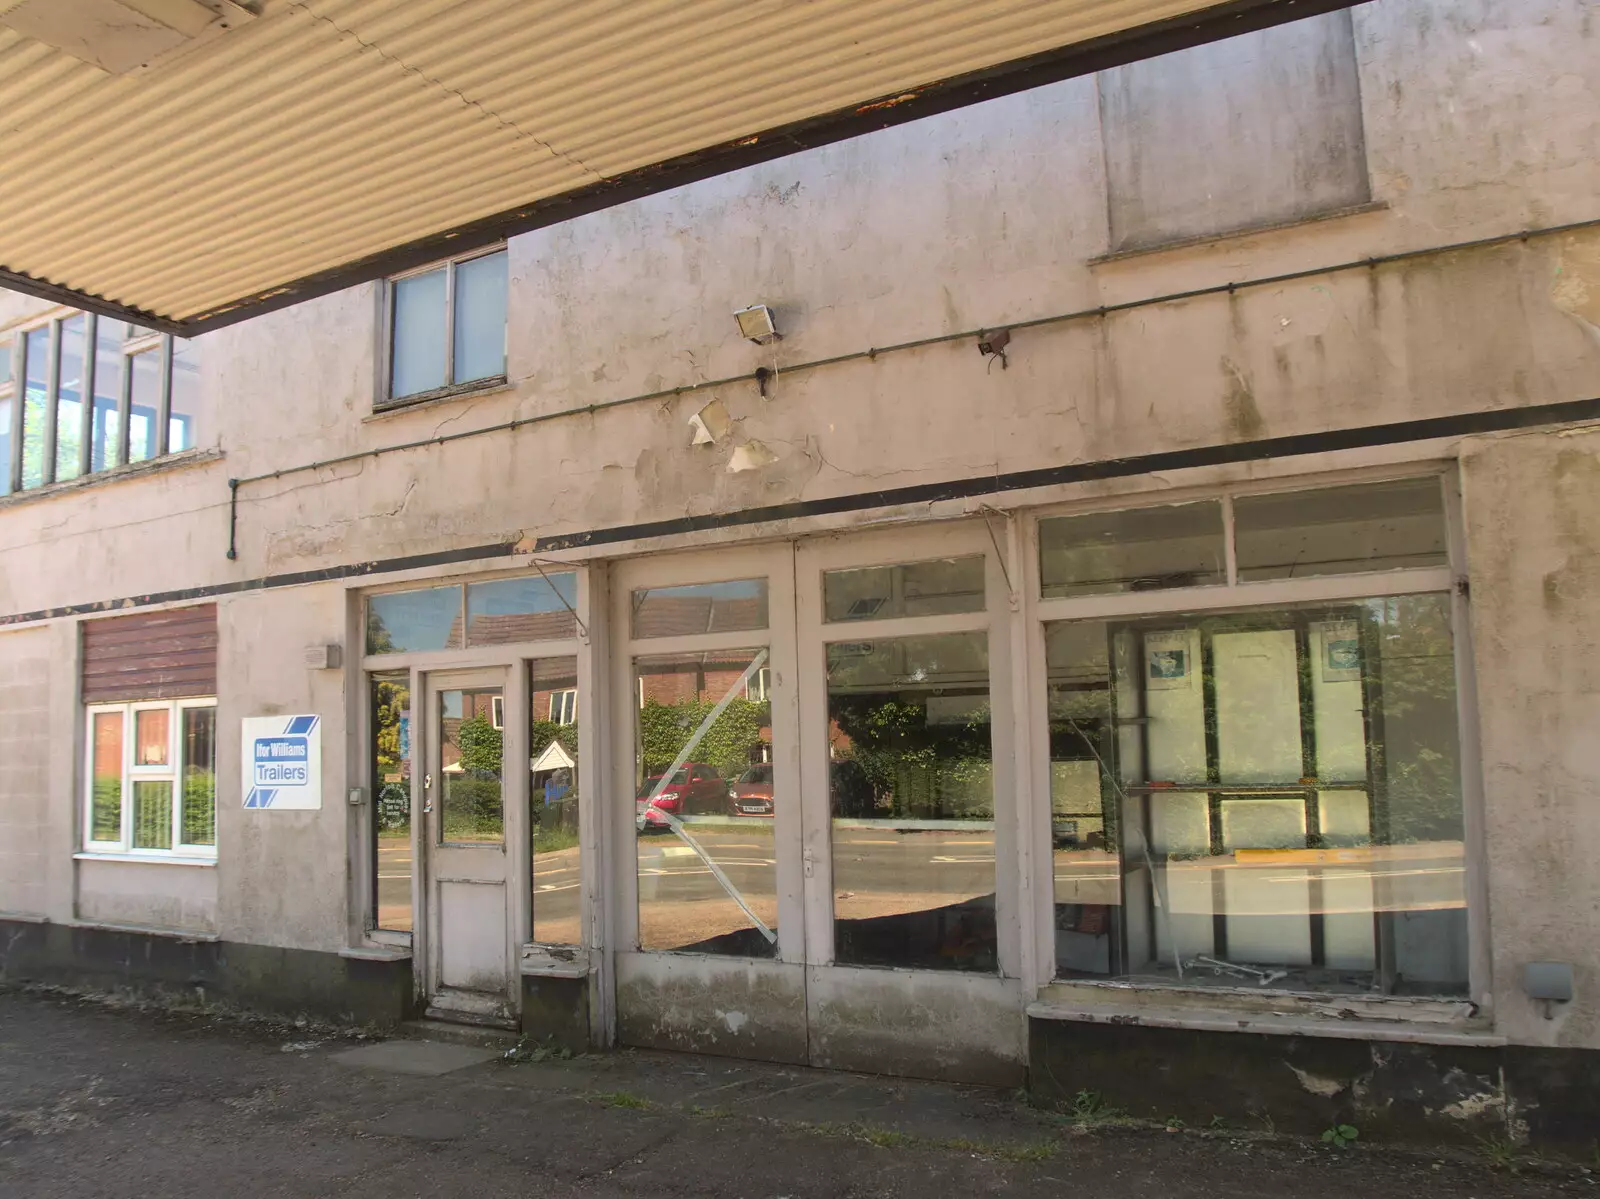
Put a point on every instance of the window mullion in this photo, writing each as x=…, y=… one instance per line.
x=128, y=750
x=164, y=402
x=52, y=388
x=174, y=758
x=19, y=401
x=124, y=412
x=1230, y=551
x=91, y=359
x=449, y=324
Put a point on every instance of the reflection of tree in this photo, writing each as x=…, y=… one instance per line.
x=482, y=746
x=915, y=768
x=379, y=639
x=391, y=702
x=664, y=729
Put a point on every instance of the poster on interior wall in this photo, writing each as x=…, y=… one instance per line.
x=282, y=758
x=1169, y=660
x=1341, y=651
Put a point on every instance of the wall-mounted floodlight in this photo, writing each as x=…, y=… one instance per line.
x=756, y=323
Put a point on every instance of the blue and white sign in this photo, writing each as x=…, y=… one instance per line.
x=282, y=762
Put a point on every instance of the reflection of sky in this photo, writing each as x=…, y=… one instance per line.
x=418, y=620
x=514, y=597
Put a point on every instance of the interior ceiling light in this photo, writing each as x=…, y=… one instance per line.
x=756, y=323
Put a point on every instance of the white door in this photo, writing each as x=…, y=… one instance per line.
x=470, y=972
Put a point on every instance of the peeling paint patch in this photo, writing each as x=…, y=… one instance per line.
x=1576, y=287
x=711, y=424
x=1316, y=1085
x=752, y=455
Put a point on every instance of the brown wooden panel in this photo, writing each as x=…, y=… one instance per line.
x=151, y=655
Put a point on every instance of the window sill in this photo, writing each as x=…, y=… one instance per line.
x=145, y=859
x=440, y=395
x=145, y=930
x=1206, y=239
x=118, y=474
x=1343, y=1017
x=547, y=961
x=377, y=953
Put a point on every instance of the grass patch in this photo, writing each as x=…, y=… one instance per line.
x=1500, y=1153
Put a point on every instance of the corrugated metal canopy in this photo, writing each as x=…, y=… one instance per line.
x=313, y=144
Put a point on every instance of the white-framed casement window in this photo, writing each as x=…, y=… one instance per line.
x=564, y=706
x=759, y=688
x=81, y=393
x=151, y=778
x=445, y=328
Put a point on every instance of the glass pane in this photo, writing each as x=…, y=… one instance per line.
x=471, y=768
x=144, y=417
x=5, y=441
x=1340, y=530
x=152, y=814
x=553, y=803
x=912, y=787
x=391, y=800
x=109, y=363
x=1141, y=549
x=914, y=589
x=481, y=318
x=707, y=870
x=1266, y=798
x=36, y=405
x=414, y=620
x=418, y=361
x=530, y=609
x=5, y=363
x=105, y=808
x=182, y=433
x=199, y=825
x=152, y=736
x=735, y=607
x=69, y=400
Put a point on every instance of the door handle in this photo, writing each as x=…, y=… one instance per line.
x=427, y=799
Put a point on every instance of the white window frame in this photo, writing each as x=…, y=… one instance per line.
x=759, y=688
x=497, y=711
x=140, y=341
x=172, y=772
x=564, y=706
x=386, y=399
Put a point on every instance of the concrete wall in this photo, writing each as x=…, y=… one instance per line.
x=1480, y=119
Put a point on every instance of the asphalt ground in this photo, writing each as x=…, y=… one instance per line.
x=101, y=1099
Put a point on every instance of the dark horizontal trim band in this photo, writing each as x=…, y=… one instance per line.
x=1497, y=420
x=1224, y=20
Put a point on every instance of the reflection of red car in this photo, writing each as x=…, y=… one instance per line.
x=751, y=793
x=695, y=789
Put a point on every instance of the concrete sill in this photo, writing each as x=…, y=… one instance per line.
x=444, y=395
x=117, y=474
x=145, y=859
x=1206, y=239
x=540, y=961
x=376, y=953
x=1268, y=1023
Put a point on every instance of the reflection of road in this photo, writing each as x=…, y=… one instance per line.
x=394, y=882
x=878, y=871
x=1385, y=878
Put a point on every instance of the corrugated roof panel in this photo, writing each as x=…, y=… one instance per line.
x=330, y=131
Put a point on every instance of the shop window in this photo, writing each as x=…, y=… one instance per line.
x=1141, y=549
x=392, y=854
x=497, y=612
x=911, y=768
x=1266, y=798
x=932, y=588
x=151, y=774
x=1340, y=530
x=447, y=327
x=705, y=856
x=739, y=606
x=554, y=802
x=96, y=393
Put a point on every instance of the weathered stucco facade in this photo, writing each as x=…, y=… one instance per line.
x=1446, y=322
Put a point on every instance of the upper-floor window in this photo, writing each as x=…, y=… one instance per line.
x=447, y=327
x=81, y=394
x=1252, y=131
